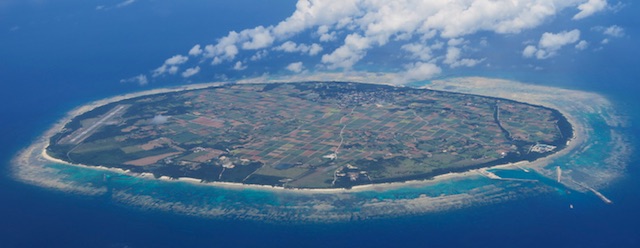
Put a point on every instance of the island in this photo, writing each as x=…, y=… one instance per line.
x=310, y=135
x=556, y=141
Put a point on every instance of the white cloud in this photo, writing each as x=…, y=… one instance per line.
x=373, y=23
x=457, y=18
x=455, y=42
x=176, y=60
x=377, y=21
x=437, y=45
x=125, y=3
x=419, y=51
x=605, y=41
x=589, y=8
x=288, y=46
x=357, y=26
x=190, y=72
x=325, y=35
x=466, y=62
x=614, y=31
x=122, y=4
x=292, y=47
x=140, y=80
x=582, y=45
x=224, y=50
x=312, y=13
x=159, y=120
x=484, y=42
x=353, y=50
x=314, y=49
x=454, y=54
x=296, y=67
x=556, y=41
x=239, y=66
x=420, y=71
x=259, y=55
x=257, y=38
x=195, y=50
x=173, y=70
x=529, y=51
x=170, y=65
x=249, y=39
x=550, y=43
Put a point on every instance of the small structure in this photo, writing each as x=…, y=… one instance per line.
x=542, y=148
x=331, y=156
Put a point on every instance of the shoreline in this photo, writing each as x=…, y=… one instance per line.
x=565, y=101
x=537, y=164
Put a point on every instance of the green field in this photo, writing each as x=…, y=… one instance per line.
x=310, y=135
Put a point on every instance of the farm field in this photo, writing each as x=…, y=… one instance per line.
x=310, y=135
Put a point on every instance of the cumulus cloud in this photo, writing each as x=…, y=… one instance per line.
x=453, y=57
x=453, y=54
x=582, y=45
x=190, y=72
x=315, y=49
x=466, y=62
x=529, y=51
x=159, y=120
x=550, y=43
x=257, y=38
x=420, y=71
x=170, y=65
x=229, y=46
x=140, y=80
x=224, y=50
x=325, y=35
x=353, y=50
x=553, y=41
x=312, y=13
x=289, y=47
x=259, y=55
x=373, y=23
x=239, y=66
x=434, y=34
x=292, y=47
x=418, y=51
x=378, y=21
x=296, y=67
x=195, y=50
x=176, y=60
x=614, y=31
x=589, y=8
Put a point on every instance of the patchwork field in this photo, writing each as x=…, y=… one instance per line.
x=309, y=135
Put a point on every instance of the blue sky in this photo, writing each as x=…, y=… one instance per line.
x=158, y=42
x=424, y=39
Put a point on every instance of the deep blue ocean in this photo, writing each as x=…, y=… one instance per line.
x=55, y=55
